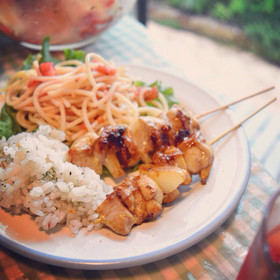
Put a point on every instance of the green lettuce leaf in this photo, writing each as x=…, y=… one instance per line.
x=74, y=54
x=8, y=123
x=45, y=55
x=28, y=62
x=167, y=92
x=45, y=52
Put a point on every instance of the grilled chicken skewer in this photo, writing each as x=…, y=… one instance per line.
x=149, y=140
x=171, y=148
x=136, y=199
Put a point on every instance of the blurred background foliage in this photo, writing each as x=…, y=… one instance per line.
x=258, y=19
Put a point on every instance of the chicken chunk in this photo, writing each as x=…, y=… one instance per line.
x=136, y=199
x=168, y=177
x=115, y=215
x=116, y=149
x=151, y=134
x=172, y=156
x=183, y=124
x=198, y=156
x=142, y=197
x=81, y=153
x=170, y=197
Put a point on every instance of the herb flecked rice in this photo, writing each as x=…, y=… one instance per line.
x=36, y=178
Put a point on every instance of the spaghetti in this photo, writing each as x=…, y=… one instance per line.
x=80, y=97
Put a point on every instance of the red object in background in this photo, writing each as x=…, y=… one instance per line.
x=263, y=258
x=274, y=245
x=7, y=31
x=30, y=21
x=261, y=262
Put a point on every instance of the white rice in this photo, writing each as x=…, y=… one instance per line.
x=37, y=178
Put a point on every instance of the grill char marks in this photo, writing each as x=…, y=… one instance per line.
x=118, y=140
x=181, y=135
x=182, y=124
x=113, y=137
x=160, y=136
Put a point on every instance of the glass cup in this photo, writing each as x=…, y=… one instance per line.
x=263, y=259
x=68, y=23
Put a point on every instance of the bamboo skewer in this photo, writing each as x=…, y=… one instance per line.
x=234, y=102
x=241, y=122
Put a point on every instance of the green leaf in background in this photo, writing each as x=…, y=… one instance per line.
x=72, y=54
x=45, y=51
x=27, y=63
x=8, y=123
x=139, y=83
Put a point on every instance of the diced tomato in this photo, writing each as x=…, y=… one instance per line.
x=274, y=244
x=151, y=94
x=100, y=119
x=105, y=69
x=33, y=83
x=82, y=126
x=47, y=69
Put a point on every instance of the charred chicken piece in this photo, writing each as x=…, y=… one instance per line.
x=198, y=155
x=81, y=153
x=115, y=215
x=115, y=148
x=151, y=134
x=136, y=199
x=183, y=124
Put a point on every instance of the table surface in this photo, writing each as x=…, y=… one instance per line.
x=219, y=256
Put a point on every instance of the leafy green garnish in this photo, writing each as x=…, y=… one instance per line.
x=28, y=62
x=167, y=92
x=105, y=172
x=45, y=55
x=133, y=168
x=74, y=54
x=8, y=123
x=139, y=83
x=45, y=52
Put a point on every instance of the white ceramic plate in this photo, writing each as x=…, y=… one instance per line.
x=197, y=213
